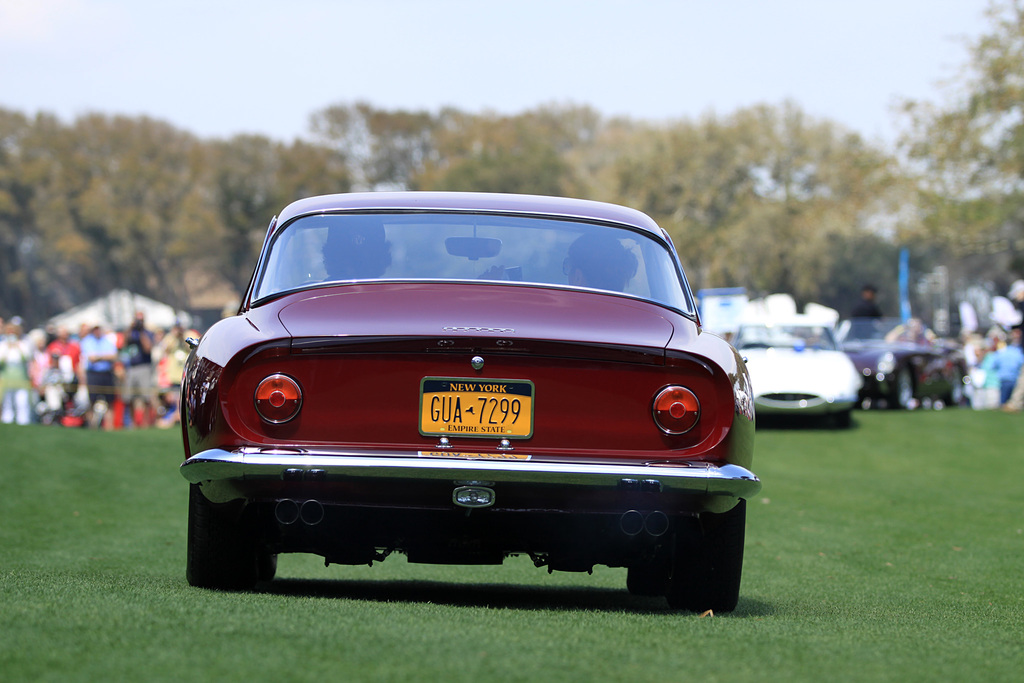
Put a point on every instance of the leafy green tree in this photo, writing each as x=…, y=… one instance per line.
x=382, y=149
x=454, y=150
x=17, y=241
x=526, y=153
x=111, y=202
x=130, y=182
x=253, y=178
x=760, y=198
x=968, y=153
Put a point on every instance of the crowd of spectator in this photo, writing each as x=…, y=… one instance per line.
x=97, y=377
x=997, y=362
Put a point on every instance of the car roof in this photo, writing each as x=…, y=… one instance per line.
x=472, y=201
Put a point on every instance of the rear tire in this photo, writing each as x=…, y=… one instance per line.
x=221, y=544
x=708, y=563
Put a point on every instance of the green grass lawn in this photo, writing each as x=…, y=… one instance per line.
x=888, y=552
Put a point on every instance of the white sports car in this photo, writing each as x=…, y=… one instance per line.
x=797, y=368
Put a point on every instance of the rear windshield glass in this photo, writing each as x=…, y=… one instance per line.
x=334, y=248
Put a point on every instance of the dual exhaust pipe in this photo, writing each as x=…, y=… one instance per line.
x=309, y=512
x=633, y=522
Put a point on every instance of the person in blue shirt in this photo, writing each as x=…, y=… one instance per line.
x=1007, y=365
x=99, y=353
x=1016, y=401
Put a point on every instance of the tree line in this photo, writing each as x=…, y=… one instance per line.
x=768, y=197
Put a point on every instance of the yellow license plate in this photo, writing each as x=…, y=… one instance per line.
x=500, y=408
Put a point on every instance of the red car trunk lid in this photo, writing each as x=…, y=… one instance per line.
x=420, y=310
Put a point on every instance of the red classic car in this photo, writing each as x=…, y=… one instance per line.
x=462, y=378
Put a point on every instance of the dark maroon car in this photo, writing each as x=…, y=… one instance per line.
x=904, y=364
x=462, y=378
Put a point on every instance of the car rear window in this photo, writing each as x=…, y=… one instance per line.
x=335, y=248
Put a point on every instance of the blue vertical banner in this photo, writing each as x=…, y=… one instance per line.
x=904, y=284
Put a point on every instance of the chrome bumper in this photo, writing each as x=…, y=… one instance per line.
x=224, y=474
x=811, y=406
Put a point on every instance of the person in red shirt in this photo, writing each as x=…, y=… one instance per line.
x=63, y=346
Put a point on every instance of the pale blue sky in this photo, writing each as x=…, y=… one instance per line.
x=255, y=66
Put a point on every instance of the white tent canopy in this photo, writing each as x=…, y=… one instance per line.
x=116, y=311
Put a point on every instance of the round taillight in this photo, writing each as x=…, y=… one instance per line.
x=676, y=410
x=278, y=399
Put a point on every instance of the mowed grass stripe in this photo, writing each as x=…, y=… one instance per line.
x=890, y=551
